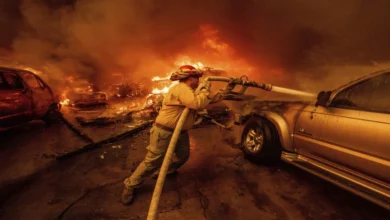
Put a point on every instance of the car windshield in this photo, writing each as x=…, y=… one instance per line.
x=360, y=79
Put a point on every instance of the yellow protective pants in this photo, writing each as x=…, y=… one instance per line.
x=159, y=141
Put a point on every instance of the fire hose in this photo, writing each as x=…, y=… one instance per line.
x=232, y=82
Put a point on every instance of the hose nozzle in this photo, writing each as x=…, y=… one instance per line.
x=267, y=87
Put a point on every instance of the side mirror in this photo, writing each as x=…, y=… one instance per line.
x=323, y=98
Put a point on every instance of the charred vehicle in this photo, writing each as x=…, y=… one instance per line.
x=124, y=90
x=119, y=90
x=83, y=94
x=24, y=96
x=342, y=138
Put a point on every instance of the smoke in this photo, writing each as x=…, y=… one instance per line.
x=300, y=43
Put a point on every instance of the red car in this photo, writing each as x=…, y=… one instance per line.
x=24, y=96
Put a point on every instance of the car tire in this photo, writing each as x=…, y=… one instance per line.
x=259, y=141
x=52, y=115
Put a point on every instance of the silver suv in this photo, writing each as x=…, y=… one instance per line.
x=344, y=137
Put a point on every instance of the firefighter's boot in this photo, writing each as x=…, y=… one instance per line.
x=127, y=196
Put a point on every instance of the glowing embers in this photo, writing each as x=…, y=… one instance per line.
x=65, y=101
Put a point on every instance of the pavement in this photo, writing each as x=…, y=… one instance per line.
x=30, y=148
x=216, y=183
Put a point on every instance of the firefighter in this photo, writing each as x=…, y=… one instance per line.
x=179, y=97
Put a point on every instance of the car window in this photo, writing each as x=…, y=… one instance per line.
x=41, y=82
x=358, y=96
x=13, y=80
x=380, y=99
x=3, y=83
x=31, y=80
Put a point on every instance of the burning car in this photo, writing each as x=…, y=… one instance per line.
x=83, y=94
x=342, y=138
x=24, y=96
x=124, y=90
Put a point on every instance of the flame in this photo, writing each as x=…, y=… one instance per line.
x=214, y=52
x=160, y=91
x=65, y=102
x=121, y=110
x=218, y=54
x=157, y=78
x=185, y=60
x=180, y=62
x=198, y=66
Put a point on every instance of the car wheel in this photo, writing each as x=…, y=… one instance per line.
x=52, y=115
x=259, y=141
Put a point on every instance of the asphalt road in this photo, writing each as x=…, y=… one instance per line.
x=216, y=183
x=30, y=148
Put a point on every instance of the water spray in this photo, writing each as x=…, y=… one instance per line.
x=292, y=91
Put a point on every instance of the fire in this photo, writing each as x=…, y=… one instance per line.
x=160, y=91
x=156, y=91
x=185, y=60
x=198, y=66
x=211, y=51
x=180, y=62
x=65, y=102
x=156, y=78
x=121, y=110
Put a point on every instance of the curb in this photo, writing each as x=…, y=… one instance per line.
x=75, y=130
x=92, y=145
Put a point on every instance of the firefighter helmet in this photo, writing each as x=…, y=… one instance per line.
x=185, y=72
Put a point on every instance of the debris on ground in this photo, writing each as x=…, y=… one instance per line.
x=117, y=146
x=100, y=121
x=128, y=117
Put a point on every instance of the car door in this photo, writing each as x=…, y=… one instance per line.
x=48, y=94
x=40, y=93
x=366, y=146
x=348, y=133
x=15, y=102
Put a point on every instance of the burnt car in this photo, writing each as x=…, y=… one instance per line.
x=343, y=138
x=24, y=96
x=124, y=90
x=83, y=94
x=120, y=90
